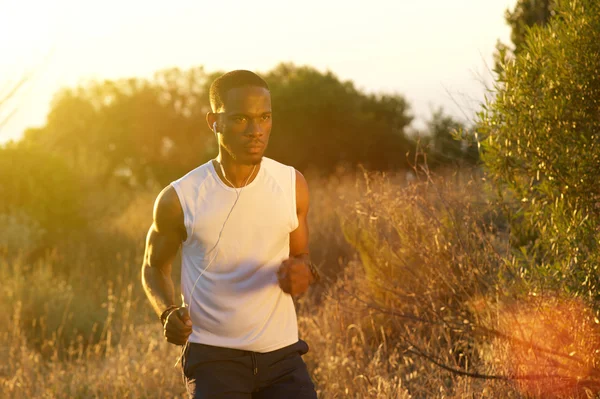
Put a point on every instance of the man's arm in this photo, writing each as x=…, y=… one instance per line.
x=295, y=274
x=162, y=243
x=299, y=237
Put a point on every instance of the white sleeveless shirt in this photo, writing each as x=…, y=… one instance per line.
x=237, y=302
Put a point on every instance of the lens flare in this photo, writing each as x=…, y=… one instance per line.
x=551, y=347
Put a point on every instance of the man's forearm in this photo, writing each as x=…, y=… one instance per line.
x=159, y=288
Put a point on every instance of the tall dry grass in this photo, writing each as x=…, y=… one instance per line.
x=421, y=299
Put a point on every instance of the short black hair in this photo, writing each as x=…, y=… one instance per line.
x=232, y=80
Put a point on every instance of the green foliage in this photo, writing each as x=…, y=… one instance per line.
x=134, y=130
x=144, y=131
x=19, y=232
x=543, y=146
x=527, y=13
x=40, y=191
x=322, y=121
x=45, y=312
x=448, y=141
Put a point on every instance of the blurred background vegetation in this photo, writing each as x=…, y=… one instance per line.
x=459, y=261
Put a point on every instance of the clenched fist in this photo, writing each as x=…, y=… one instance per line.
x=294, y=276
x=178, y=326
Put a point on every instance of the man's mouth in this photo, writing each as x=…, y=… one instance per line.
x=255, y=146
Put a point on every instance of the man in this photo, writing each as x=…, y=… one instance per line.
x=240, y=220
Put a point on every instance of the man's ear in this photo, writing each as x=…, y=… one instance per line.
x=211, y=119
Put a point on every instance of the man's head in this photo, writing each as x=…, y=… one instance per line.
x=241, y=108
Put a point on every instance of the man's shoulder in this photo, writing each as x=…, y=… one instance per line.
x=276, y=165
x=194, y=176
x=286, y=170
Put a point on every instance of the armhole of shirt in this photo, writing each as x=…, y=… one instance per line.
x=295, y=221
x=187, y=222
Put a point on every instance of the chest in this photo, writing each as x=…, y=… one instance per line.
x=260, y=218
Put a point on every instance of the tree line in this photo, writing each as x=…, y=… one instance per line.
x=147, y=132
x=154, y=130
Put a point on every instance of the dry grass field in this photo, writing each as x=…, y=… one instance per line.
x=421, y=299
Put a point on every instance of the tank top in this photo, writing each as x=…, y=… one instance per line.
x=237, y=303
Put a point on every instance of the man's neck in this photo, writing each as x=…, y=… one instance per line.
x=236, y=173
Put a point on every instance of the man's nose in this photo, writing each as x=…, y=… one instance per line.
x=255, y=128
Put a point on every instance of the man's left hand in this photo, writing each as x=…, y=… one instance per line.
x=294, y=276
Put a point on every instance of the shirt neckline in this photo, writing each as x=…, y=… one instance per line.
x=225, y=186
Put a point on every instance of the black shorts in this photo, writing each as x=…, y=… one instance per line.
x=214, y=372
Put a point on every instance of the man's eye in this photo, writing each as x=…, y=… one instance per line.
x=239, y=119
x=266, y=117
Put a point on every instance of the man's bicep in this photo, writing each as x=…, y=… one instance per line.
x=167, y=231
x=168, y=214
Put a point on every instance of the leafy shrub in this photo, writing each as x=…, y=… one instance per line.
x=542, y=148
x=40, y=188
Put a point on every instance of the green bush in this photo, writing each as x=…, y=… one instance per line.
x=19, y=233
x=51, y=312
x=38, y=188
x=542, y=147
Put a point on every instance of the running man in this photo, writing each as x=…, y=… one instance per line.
x=240, y=220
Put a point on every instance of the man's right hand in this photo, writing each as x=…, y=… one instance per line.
x=178, y=326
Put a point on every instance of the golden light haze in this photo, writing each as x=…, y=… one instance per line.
x=426, y=50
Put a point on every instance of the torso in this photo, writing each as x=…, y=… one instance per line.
x=237, y=302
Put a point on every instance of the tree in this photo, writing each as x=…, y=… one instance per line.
x=45, y=191
x=148, y=131
x=543, y=146
x=322, y=121
x=525, y=15
x=448, y=141
x=134, y=129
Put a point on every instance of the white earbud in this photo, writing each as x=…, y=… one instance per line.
x=215, y=131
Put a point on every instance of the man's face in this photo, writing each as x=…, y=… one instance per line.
x=245, y=123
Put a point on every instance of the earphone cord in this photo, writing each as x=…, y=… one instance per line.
x=238, y=193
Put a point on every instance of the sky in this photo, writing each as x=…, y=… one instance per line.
x=436, y=53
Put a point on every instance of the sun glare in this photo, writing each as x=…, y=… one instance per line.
x=551, y=346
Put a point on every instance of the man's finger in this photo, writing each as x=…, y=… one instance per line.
x=282, y=274
x=174, y=320
x=284, y=284
x=175, y=325
x=172, y=332
x=176, y=341
x=176, y=337
x=283, y=267
x=171, y=329
x=299, y=268
x=184, y=316
x=287, y=261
